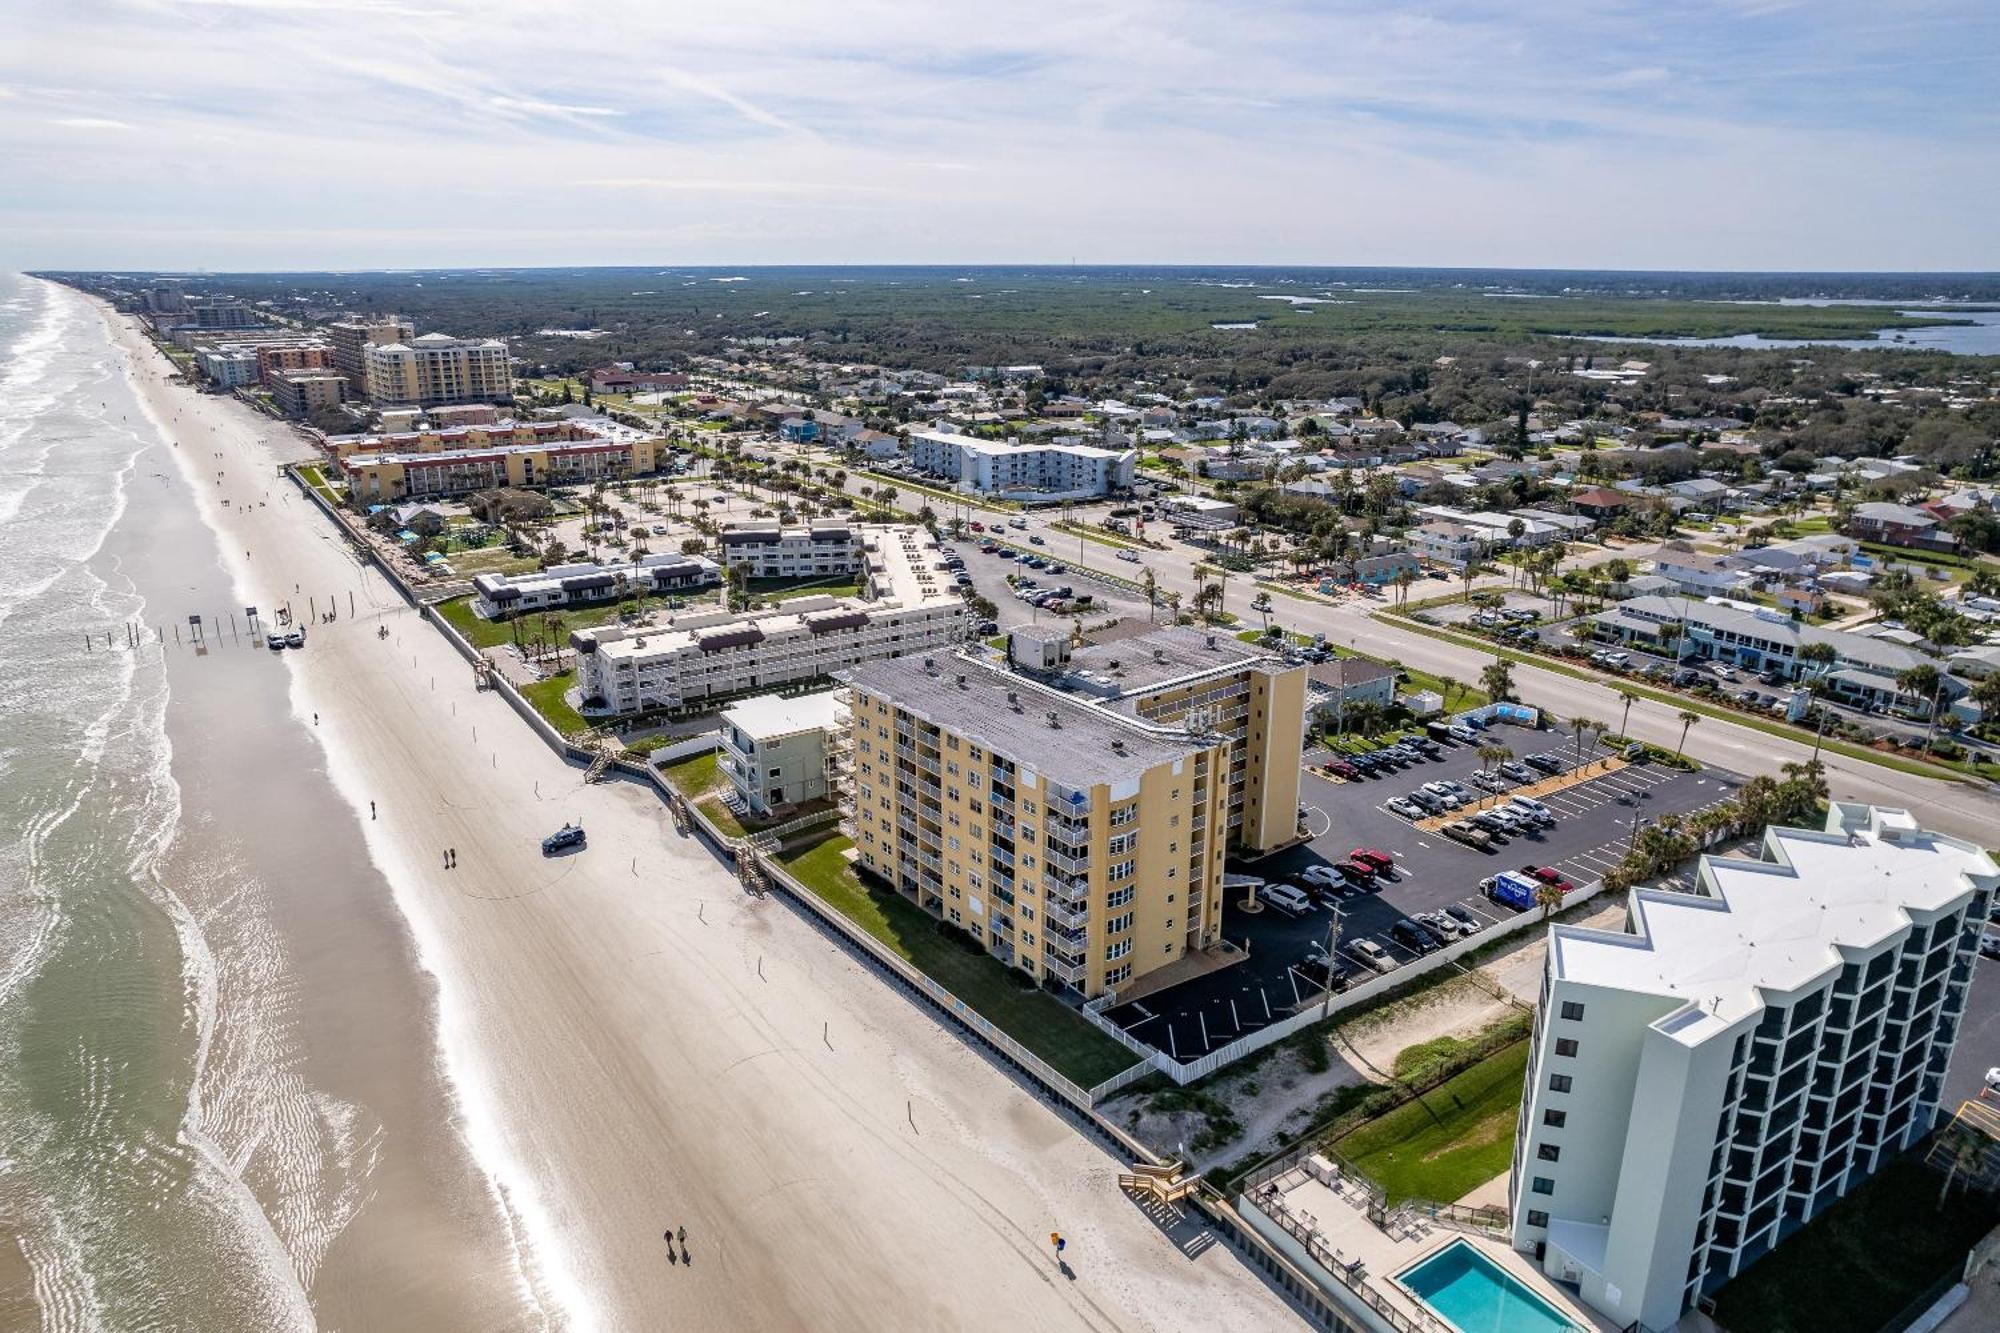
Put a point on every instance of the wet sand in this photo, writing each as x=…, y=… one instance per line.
x=349, y=1132
x=636, y=1045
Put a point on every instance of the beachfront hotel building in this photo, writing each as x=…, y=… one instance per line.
x=436, y=368
x=1706, y=1081
x=496, y=596
x=703, y=658
x=768, y=551
x=1071, y=809
x=350, y=339
x=1027, y=472
x=392, y=477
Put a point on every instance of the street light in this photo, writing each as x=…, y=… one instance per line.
x=1332, y=961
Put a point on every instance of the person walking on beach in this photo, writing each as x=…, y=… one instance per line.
x=454, y=858
x=371, y=809
x=447, y=859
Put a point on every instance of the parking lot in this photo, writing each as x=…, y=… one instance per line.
x=1593, y=827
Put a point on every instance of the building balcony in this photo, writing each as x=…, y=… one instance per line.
x=1067, y=891
x=1070, y=833
x=1071, y=973
x=1066, y=918
x=1075, y=865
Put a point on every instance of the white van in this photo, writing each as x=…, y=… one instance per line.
x=1287, y=898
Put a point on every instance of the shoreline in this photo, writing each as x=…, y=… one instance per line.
x=659, y=1035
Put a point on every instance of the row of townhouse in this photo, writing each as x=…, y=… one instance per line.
x=1864, y=668
x=496, y=596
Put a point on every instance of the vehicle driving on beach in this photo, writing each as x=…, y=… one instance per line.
x=569, y=835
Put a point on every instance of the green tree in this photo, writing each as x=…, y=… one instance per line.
x=1688, y=717
x=1497, y=679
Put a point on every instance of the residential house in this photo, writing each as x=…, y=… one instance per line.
x=1899, y=525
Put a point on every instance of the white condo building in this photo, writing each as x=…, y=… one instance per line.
x=1030, y=472
x=768, y=551
x=698, y=658
x=1704, y=1082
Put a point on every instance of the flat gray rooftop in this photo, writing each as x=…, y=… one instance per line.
x=1075, y=753
x=1151, y=659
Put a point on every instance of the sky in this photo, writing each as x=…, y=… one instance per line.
x=1657, y=134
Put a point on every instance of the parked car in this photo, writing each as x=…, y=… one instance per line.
x=275, y=640
x=1373, y=955
x=1469, y=834
x=988, y=548
x=1457, y=789
x=1491, y=822
x=1413, y=936
x=1341, y=768
x=1465, y=918
x=1721, y=671
x=296, y=639
x=1444, y=927
x=1516, y=823
x=1287, y=898
x=569, y=835
x=1547, y=763
x=1443, y=795
x=1408, y=809
x=1989, y=945
x=1548, y=875
x=1489, y=781
x=1519, y=772
x=1323, y=875
x=1431, y=805
x=1356, y=873
x=1461, y=733
x=1369, y=856
x=1532, y=810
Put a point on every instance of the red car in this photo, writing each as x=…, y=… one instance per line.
x=1372, y=858
x=1343, y=769
x=1548, y=875
x=978, y=527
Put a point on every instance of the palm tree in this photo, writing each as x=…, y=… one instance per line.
x=1581, y=727
x=1926, y=682
x=1688, y=717
x=1152, y=586
x=1174, y=605
x=1630, y=696
x=1261, y=604
x=1404, y=578
x=1497, y=679
x=1492, y=755
x=1548, y=897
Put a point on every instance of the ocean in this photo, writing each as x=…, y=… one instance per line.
x=221, y=1103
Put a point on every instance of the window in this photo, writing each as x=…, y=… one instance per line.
x=1572, y=1010
x=1122, y=870
x=1119, y=924
x=1543, y=1185
x=1558, y=1082
x=1565, y=1046
x=1548, y=1152
x=1118, y=976
x=1122, y=897
x=1117, y=951
x=1555, y=1119
x=1537, y=1218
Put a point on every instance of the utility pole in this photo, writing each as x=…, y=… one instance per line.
x=1332, y=962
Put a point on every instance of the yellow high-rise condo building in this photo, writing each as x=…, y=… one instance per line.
x=1046, y=816
x=435, y=369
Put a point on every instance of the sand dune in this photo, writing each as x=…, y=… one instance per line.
x=639, y=1046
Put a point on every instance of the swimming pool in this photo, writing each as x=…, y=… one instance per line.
x=1476, y=1295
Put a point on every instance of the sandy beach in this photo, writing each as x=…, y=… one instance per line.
x=635, y=1045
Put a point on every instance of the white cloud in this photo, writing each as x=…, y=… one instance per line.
x=1719, y=133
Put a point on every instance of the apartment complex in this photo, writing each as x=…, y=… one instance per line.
x=448, y=439
x=1030, y=472
x=350, y=339
x=703, y=657
x=273, y=358
x=379, y=478
x=499, y=595
x=436, y=369
x=774, y=748
x=300, y=393
x=1070, y=840
x=1705, y=1082
x=767, y=551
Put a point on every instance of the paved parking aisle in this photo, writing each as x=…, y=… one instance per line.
x=1594, y=826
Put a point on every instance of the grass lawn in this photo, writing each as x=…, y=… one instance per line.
x=1877, y=1250
x=1449, y=1141
x=547, y=698
x=493, y=633
x=317, y=480
x=1038, y=1021
x=777, y=590
x=1100, y=536
x=694, y=775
